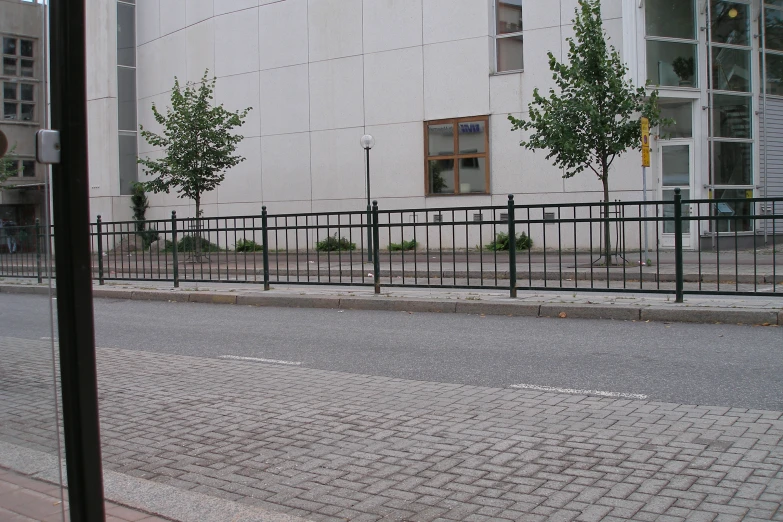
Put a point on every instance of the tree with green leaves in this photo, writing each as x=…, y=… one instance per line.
x=9, y=166
x=198, y=142
x=592, y=117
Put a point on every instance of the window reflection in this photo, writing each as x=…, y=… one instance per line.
x=730, y=23
x=730, y=69
x=731, y=116
x=671, y=18
x=441, y=139
x=441, y=176
x=509, y=16
x=682, y=114
x=671, y=63
x=732, y=163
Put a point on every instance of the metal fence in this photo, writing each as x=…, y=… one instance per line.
x=23, y=251
x=666, y=247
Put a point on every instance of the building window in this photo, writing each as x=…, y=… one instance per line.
x=772, y=55
x=18, y=101
x=22, y=168
x=457, y=156
x=18, y=96
x=126, y=95
x=18, y=57
x=672, y=46
x=508, y=36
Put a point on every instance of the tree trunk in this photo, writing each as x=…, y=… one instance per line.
x=197, y=238
x=607, y=224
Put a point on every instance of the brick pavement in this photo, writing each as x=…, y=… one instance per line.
x=335, y=446
x=23, y=499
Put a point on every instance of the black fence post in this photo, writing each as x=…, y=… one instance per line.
x=265, y=244
x=678, y=245
x=512, y=248
x=174, y=256
x=376, y=267
x=38, y=250
x=98, y=225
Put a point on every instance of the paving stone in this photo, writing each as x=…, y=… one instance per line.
x=342, y=446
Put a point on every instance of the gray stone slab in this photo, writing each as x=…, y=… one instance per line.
x=709, y=315
x=396, y=304
x=590, y=311
x=515, y=308
x=288, y=301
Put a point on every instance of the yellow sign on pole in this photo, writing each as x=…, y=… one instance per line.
x=645, y=142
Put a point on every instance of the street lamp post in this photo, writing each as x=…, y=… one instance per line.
x=367, y=143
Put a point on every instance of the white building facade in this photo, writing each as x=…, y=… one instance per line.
x=433, y=81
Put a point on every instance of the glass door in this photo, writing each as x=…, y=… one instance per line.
x=30, y=413
x=676, y=171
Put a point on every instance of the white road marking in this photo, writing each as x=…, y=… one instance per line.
x=256, y=359
x=615, y=395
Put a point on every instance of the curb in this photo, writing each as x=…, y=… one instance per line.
x=682, y=314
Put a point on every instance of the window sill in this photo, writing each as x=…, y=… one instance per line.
x=453, y=195
x=506, y=73
x=20, y=123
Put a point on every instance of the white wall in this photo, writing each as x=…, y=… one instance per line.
x=321, y=73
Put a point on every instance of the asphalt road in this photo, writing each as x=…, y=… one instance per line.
x=718, y=365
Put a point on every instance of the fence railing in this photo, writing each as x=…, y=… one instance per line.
x=679, y=247
x=25, y=251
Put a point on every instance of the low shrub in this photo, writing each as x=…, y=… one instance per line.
x=189, y=243
x=334, y=244
x=405, y=245
x=501, y=242
x=148, y=237
x=248, y=245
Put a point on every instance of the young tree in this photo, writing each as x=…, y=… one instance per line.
x=593, y=116
x=8, y=165
x=198, y=142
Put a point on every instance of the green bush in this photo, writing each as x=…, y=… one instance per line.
x=189, y=243
x=501, y=242
x=248, y=245
x=405, y=245
x=148, y=237
x=333, y=243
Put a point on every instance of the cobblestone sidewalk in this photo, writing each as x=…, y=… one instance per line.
x=334, y=446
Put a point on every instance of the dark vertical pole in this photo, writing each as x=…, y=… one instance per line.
x=376, y=268
x=174, y=257
x=678, y=244
x=369, y=218
x=265, y=244
x=98, y=226
x=512, y=248
x=71, y=204
x=38, y=250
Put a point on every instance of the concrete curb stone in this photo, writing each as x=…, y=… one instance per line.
x=110, y=293
x=658, y=313
x=212, y=298
x=26, y=289
x=158, y=295
x=287, y=301
x=576, y=311
x=711, y=315
x=390, y=304
x=495, y=308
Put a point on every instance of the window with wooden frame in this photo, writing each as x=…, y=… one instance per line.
x=457, y=156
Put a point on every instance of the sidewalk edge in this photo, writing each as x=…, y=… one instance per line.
x=679, y=314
